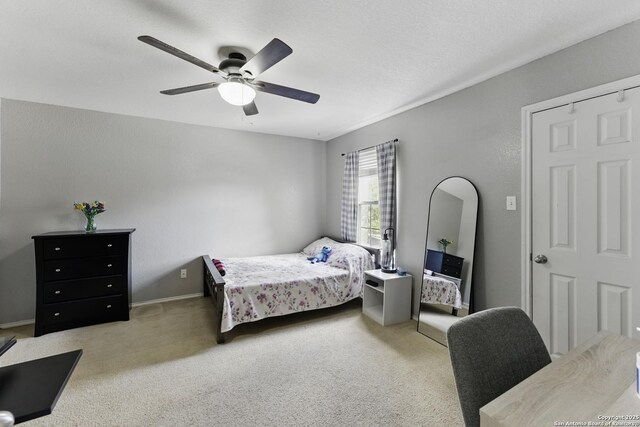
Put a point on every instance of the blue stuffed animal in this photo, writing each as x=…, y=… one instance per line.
x=322, y=256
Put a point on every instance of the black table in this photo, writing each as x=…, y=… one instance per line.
x=31, y=389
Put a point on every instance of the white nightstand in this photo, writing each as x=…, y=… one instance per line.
x=390, y=301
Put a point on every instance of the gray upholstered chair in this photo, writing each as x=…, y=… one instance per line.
x=491, y=351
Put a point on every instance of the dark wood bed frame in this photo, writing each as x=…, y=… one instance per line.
x=214, y=287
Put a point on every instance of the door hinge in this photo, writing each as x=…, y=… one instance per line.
x=530, y=256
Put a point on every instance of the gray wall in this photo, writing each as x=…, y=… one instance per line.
x=188, y=190
x=475, y=133
x=191, y=190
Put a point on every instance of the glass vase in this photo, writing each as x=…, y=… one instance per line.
x=91, y=224
x=387, y=256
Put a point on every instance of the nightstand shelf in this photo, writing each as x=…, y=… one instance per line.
x=390, y=301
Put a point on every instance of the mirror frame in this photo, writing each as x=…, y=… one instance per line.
x=475, y=246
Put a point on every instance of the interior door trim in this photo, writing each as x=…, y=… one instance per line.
x=526, y=262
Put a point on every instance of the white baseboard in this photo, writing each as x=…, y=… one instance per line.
x=16, y=324
x=135, y=304
x=169, y=299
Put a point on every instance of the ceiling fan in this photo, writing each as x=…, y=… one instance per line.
x=239, y=74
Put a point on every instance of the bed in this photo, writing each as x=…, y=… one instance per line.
x=440, y=290
x=255, y=288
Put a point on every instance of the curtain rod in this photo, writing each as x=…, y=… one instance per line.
x=366, y=148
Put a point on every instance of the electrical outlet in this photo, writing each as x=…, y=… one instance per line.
x=511, y=203
x=183, y=273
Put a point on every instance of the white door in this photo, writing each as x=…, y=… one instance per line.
x=585, y=189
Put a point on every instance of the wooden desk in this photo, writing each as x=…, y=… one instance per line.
x=595, y=379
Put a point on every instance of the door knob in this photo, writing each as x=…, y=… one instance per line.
x=540, y=259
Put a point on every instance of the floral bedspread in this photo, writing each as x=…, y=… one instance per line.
x=266, y=286
x=440, y=291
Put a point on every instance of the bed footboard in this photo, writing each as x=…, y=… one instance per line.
x=214, y=287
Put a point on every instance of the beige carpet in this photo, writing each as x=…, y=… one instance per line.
x=333, y=367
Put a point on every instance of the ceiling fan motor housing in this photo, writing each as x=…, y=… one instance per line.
x=233, y=64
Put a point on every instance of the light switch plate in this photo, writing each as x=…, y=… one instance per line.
x=511, y=203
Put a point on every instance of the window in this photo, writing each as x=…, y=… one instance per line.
x=368, y=196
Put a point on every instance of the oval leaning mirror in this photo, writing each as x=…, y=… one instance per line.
x=448, y=259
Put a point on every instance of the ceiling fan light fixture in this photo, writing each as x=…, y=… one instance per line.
x=236, y=93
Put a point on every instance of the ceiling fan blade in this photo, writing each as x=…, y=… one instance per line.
x=288, y=92
x=250, y=109
x=193, y=88
x=270, y=55
x=177, y=52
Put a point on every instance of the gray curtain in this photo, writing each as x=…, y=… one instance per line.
x=386, y=154
x=349, y=208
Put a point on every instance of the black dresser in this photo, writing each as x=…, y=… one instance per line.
x=444, y=263
x=82, y=278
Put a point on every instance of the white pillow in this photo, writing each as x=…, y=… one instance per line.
x=315, y=247
x=351, y=257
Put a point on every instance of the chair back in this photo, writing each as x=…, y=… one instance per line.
x=491, y=351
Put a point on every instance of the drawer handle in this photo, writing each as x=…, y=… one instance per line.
x=109, y=285
x=57, y=270
x=57, y=249
x=109, y=245
x=56, y=314
x=57, y=292
x=109, y=265
x=109, y=306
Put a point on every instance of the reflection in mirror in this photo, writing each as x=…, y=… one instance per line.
x=448, y=259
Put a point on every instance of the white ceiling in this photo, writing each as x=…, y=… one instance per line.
x=367, y=59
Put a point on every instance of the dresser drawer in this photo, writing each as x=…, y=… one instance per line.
x=452, y=261
x=71, y=247
x=63, y=269
x=67, y=290
x=451, y=271
x=99, y=309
